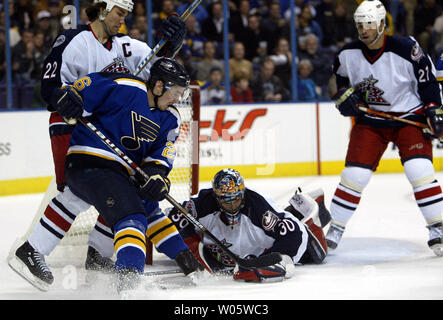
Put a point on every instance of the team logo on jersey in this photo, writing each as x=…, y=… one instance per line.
x=374, y=94
x=59, y=41
x=269, y=220
x=143, y=129
x=416, y=53
x=117, y=66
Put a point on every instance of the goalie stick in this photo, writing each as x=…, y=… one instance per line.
x=261, y=261
x=162, y=42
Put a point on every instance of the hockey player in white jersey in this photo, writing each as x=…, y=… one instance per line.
x=392, y=75
x=251, y=225
x=75, y=53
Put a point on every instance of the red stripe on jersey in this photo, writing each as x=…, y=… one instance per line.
x=427, y=193
x=346, y=196
x=55, y=218
x=102, y=221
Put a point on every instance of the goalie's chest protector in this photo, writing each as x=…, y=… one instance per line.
x=389, y=75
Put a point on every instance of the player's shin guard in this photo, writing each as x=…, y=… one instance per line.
x=429, y=198
x=56, y=221
x=345, y=201
x=129, y=242
x=164, y=235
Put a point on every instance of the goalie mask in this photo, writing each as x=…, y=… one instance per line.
x=172, y=74
x=369, y=15
x=229, y=189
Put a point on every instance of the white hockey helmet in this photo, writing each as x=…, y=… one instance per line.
x=370, y=12
x=127, y=5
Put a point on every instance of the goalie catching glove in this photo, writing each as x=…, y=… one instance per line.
x=274, y=273
x=157, y=186
x=68, y=103
x=434, y=115
x=348, y=100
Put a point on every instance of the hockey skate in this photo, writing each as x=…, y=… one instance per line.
x=96, y=262
x=334, y=235
x=31, y=265
x=128, y=280
x=435, y=238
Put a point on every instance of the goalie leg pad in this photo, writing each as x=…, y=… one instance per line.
x=164, y=235
x=317, y=248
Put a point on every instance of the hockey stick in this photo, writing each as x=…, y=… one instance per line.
x=392, y=117
x=162, y=42
x=141, y=176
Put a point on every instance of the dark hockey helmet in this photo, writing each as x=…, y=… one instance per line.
x=229, y=189
x=170, y=72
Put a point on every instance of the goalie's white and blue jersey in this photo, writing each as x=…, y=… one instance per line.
x=399, y=78
x=118, y=107
x=262, y=228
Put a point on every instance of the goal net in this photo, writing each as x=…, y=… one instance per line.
x=184, y=183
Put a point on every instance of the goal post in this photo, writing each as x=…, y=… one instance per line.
x=184, y=179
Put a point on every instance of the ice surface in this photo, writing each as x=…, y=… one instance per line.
x=383, y=254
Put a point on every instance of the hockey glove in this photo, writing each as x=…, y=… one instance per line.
x=348, y=100
x=274, y=273
x=434, y=115
x=68, y=103
x=157, y=186
x=173, y=30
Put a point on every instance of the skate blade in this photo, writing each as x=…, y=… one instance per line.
x=22, y=270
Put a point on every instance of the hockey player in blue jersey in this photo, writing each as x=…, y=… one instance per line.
x=392, y=75
x=140, y=119
x=251, y=225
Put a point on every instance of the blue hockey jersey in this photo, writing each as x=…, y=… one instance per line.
x=118, y=107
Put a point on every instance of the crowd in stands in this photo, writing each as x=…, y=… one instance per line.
x=260, y=57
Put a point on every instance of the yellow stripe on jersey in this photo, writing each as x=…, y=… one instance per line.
x=129, y=237
x=161, y=230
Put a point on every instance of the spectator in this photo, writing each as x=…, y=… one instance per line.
x=194, y=40
x=208, y=62
x=212, y=26
x=238, y=63
x=23, y=57
x=240, y=91
x=238, y=22
x=23, y=14
x=167, y=8
x=14, y=33
x=39, y=54
x=266, y=87
x=297, y=9
x=253, y=40
x=308, y=25
x=339, y=29
x=44, y=27
x=424, y=17
x=214, y=91
x=275, y=26
x=321, y=59
x=55, y=9
x=136, y=34
x=306, y=86
x=141, y=24
x=438, y=31
x=283, y=61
